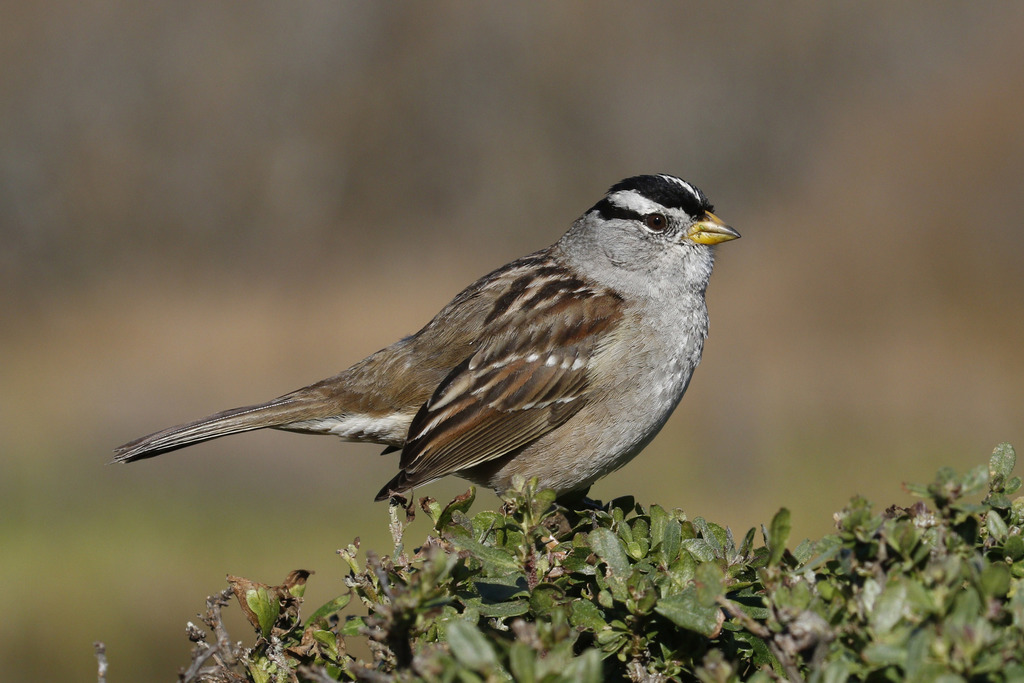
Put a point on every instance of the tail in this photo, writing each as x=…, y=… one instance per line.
x=277, y=413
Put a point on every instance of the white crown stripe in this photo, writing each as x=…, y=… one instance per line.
x=682, y=183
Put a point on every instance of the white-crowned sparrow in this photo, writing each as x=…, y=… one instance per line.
x=561, y=365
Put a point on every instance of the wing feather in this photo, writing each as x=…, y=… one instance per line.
x=528, y=377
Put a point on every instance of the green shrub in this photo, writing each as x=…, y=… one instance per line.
x=535, y=592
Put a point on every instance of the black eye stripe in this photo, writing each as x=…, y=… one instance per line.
x=609, y=210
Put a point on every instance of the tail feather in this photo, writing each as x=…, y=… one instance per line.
x=277, y=413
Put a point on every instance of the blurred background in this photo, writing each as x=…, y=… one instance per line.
x=208, y=204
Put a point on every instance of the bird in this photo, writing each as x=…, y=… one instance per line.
x=561, y=365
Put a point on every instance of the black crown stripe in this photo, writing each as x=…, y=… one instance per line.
x=663, y=190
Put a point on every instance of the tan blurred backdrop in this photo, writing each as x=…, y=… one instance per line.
x=207, y=204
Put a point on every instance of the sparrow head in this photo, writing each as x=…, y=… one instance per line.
x=650, y=224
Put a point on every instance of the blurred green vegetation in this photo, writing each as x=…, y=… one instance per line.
x=203, y=207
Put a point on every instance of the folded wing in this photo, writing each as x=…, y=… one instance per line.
x=529, y=376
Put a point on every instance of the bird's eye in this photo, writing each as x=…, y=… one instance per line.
x=655, y=222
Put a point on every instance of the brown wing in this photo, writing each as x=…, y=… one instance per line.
x=527, y=378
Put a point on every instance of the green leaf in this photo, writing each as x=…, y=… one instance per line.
x=545, y=597
x=700, y=549
x=610, y=549
x=684, y=568
x=889, y=608
x=778, y=534
x=1000, y=501
x=975, y=480
x=327, y=609
x=918, y=490
x=432, y=508
x=748, y=543
x=498, y=597
x=522, y=661
x=261, y=669
x=713, y=534
x=625, y=532
x=461, y=503
x=498, y=610
x=326, y=638
x=1013, y=549
x=587, y=668
x=642, y=594
x=636, y=550
x=543, y=500
x=762, y=656
x=885, y=654
x=995, y=580
x=967, y=606
x=493, y=559
x=670, y=541
x=803, y=552
x=265, y=607
x=1001, y=464
x=995, y=525
x=469, y=646
x=710, y=580
x=352, y=627
x=659, y=517
x=576, y=561
x=584, y=614
x=920, y=601
x=686, y=610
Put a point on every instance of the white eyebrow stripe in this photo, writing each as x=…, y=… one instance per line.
x=631, y=200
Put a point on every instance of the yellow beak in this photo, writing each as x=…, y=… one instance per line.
x=710, y=230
